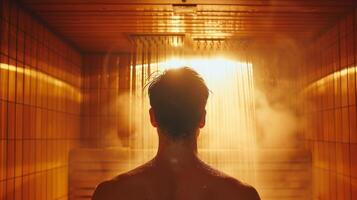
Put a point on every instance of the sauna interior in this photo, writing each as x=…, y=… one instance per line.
x=281, y=114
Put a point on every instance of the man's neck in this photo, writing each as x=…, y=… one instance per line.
x=177, y=154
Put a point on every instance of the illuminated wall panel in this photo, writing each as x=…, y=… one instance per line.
x=329, y=88
x=105, y=100
x=40, y=97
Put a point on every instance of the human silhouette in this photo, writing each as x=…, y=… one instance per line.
x=178, y=98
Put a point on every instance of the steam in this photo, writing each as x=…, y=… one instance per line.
x=277, y=122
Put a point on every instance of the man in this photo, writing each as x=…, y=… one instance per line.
x=178, y=98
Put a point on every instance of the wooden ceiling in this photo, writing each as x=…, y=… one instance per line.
x=104, y=25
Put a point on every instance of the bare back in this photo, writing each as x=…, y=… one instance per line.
x=159, y=182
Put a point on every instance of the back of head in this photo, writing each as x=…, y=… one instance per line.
x=178, y=98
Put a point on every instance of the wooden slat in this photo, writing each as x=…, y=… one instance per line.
x=200, y=8
x=101, y=22
x=215, y=2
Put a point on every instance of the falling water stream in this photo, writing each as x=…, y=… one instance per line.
x=227, y=142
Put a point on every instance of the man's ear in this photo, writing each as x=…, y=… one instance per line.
x=152, y=118
x=203, y=120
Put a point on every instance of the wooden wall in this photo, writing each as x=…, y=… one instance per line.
x=45, y=110
x=40, y=97
x=106, y=103
x=328, y=79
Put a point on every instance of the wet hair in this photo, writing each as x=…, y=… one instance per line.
x=178, y=98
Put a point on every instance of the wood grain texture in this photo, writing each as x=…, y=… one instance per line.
x=101, y=26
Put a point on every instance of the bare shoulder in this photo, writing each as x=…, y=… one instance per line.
x=103, y=191
x=237, y=188
x=123, y=184
x=231, y=187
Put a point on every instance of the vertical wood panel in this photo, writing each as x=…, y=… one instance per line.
x=33, y=150
x=337, y=179
x=105, y=86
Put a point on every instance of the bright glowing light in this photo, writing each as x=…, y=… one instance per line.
x=214, y=68
x=172, y=63
x=228, y=140
x=320, y=84
x=43, y=77
x=176, y=42
x=177, y=24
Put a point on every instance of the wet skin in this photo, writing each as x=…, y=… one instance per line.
x=175, y=173
x=168, y=180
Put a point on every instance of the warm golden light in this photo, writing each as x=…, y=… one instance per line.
x=43, y=77
x=228, y=140
x=320, y=84
x=177, y=24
